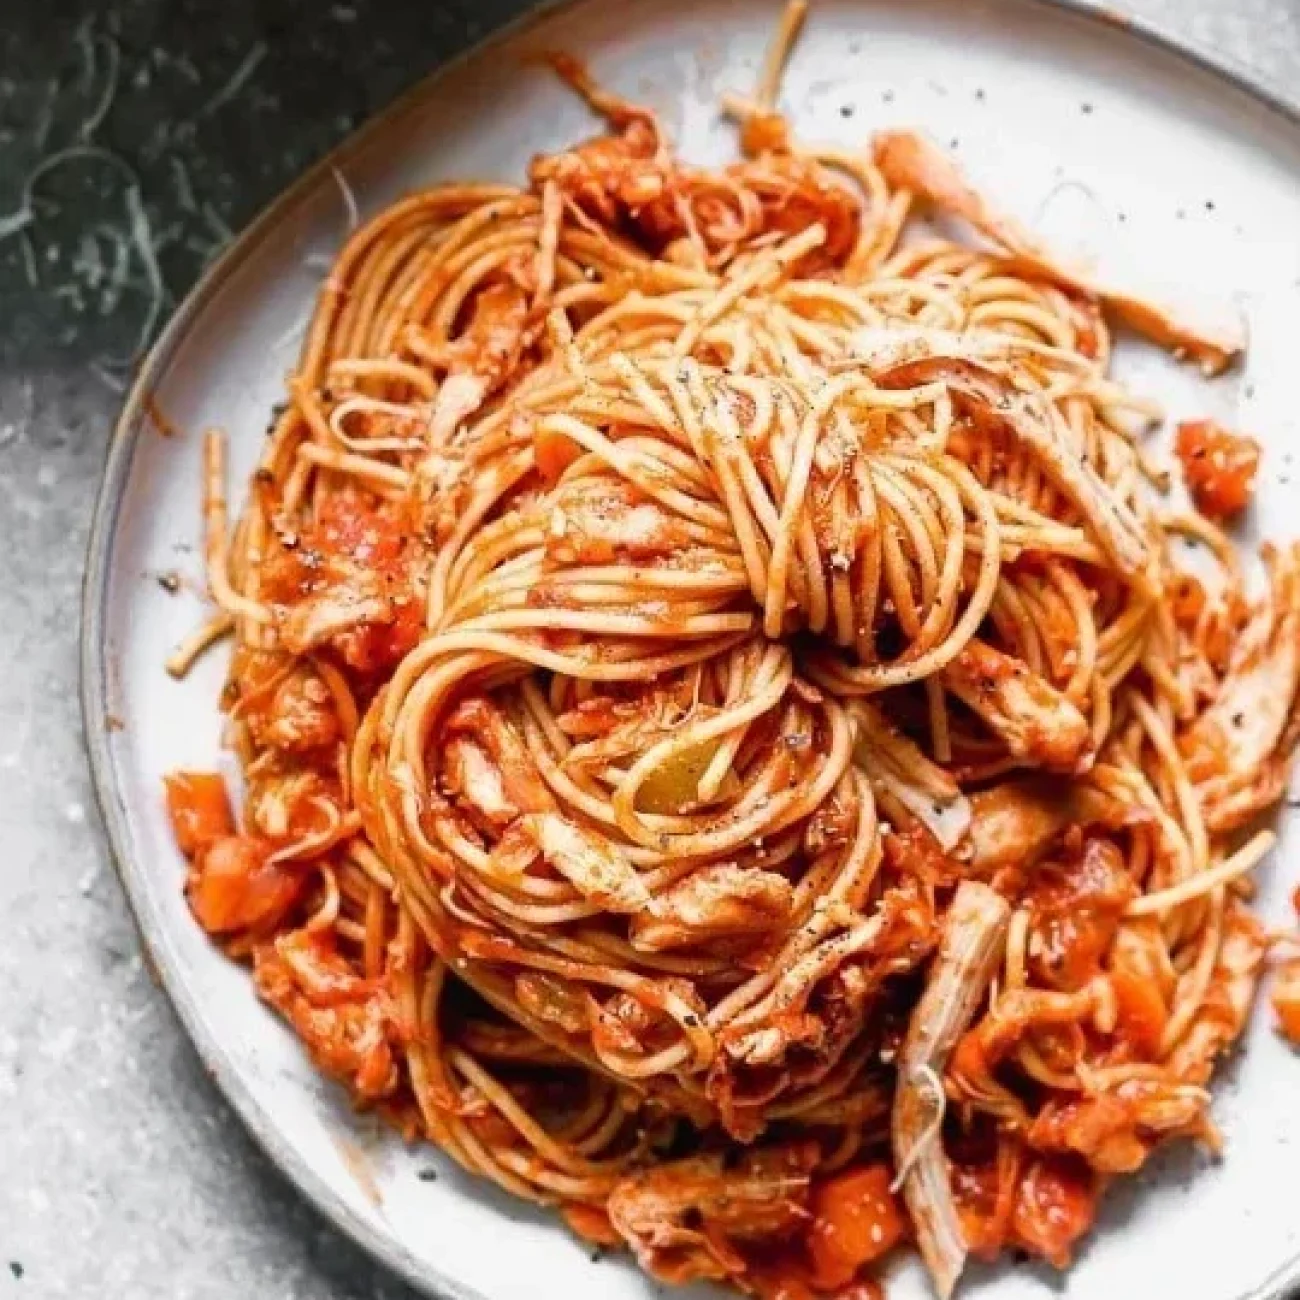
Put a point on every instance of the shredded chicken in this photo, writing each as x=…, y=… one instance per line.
x=1014, y=823
x=343, y=581
x=340, y=607
x=629, y=178
x=690, y=1219
x=910, y=161
x=610, y=176
x=974, y=934
x=285, y=803
x=1239, y=749
x=346, y=1022
x=487, y=728
x=722, y=902
x=1030, y=716
x=1221, y=1017
x=598, y=522
x=898, y=765
x=300, y=716
x=554, y=1000
x=1115, y=1131
x=481, y=357
x=816, y=1010
x=595, y=866
x=470, y=773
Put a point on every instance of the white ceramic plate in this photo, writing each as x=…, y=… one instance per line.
x=1113, y=143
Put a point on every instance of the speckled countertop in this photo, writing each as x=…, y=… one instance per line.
x=123, y=1174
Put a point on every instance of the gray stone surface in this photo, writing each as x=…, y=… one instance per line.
x=123, y=1174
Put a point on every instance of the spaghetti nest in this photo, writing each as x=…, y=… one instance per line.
x=731, y=746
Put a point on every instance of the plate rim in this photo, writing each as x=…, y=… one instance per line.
x=94, y=669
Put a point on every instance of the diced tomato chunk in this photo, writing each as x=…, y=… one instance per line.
x=591, y=1224
x=352, y=525
x=1141, y=1013
x=1286, y=1001
x=374, y=647
x=781, y=1282
x=855, y=1220
x=914, y=850
x=199, y=808
x=492, y=1128
x=1188, y=596
x=1055, y=1206
x=785, y=1282
x=553, y=453
x=1075, y=906
x=235, y=886
x=985, y=1193
x=1219, y=466
x=869, y=1289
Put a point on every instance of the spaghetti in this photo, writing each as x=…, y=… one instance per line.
x=732, y=747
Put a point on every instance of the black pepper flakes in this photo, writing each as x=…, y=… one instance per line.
x=16, y=1269
x=428, y=1175
x=846, y=110
x=169, y=582
x=1085, y=108
x=277, y=414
